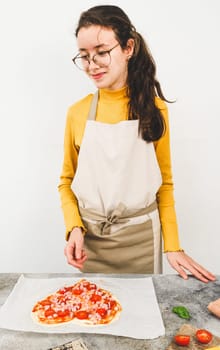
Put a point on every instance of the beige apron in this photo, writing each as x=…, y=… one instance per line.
x=116, y=182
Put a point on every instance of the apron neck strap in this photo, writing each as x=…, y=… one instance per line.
x=93, y=106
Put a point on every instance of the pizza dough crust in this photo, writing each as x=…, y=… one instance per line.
x=51, y=322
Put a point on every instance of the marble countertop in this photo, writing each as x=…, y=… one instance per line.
x=171, y=290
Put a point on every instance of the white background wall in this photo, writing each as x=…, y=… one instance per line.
x=38, y=82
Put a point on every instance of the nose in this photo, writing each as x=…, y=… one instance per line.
x=92, y=65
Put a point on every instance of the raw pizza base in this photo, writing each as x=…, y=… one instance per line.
x=114, y=313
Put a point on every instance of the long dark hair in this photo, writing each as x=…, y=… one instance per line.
x=142, y=85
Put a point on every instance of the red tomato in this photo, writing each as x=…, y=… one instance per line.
x=181, y=339
x=77, y=291
x=63, y=313
x=45, y=302
x=111, y=303
x=102, y=312
x=49, y=312
x=95, y=297
x=86, y=283
x=65, y=289
x=82, y=315
x=89, y=286
x=203, y=336
x=61, y=291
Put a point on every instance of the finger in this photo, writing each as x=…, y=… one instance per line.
x=180, y=270
x=195, y=272
x=82, y=259
x=207, y=274
x=198, y=275
x=181, y=262
x=210, y=276
x=76, y=263
x=80, y=262
x=176, y=265
x=71, y=259
x=199, y=270
x=78, y=251
x=180, y=267
x=69, y=253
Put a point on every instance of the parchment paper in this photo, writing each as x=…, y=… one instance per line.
x=140, y=317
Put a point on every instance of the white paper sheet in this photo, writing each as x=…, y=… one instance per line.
x=140, y=317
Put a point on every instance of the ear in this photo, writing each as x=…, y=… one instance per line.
x=130, y=47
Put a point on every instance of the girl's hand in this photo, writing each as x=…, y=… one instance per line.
x=74, y=249
x=181, y=262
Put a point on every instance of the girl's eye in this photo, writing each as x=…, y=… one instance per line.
x=102, y=53
x=84, y=58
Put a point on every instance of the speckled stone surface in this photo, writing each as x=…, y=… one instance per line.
x=171, y=290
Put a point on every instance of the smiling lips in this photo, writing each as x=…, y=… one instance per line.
x=97, y=76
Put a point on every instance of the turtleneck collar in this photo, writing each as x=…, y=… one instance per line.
x=113, y=95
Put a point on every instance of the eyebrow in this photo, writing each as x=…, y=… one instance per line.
x=96, y=47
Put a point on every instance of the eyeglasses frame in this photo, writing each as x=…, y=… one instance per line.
x=92, y=58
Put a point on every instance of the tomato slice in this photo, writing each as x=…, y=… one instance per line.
x=65, y=290
x=49, y=312
x=111, y=303
x=95, y=297
x=63, y=313
x=102, y=312
x=61, y=291
x=82, y=315
x=89, y=285
x=203, y=336
x=85, y=284
x=181, y=339
x=77, y=291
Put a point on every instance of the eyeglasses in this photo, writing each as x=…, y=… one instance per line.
x=101, y=59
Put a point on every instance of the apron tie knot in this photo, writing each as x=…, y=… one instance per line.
x=113, y=218
x=101, y=224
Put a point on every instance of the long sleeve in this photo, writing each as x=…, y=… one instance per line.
x=68, y=200
x=165, y=195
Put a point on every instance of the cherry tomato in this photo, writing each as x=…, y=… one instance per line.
x=111, y=303
x=95, y=297
x=77, y=291
x=65, y=290
x=63, y=313
x=85, y=284
x=102, y=312
x=203, y=336
x=82, y=315
x=182, y=340
x=91, y=286
x=49, y=312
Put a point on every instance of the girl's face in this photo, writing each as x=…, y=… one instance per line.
x=107, y=70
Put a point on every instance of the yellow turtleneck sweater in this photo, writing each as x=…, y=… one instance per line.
x=112, y=108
